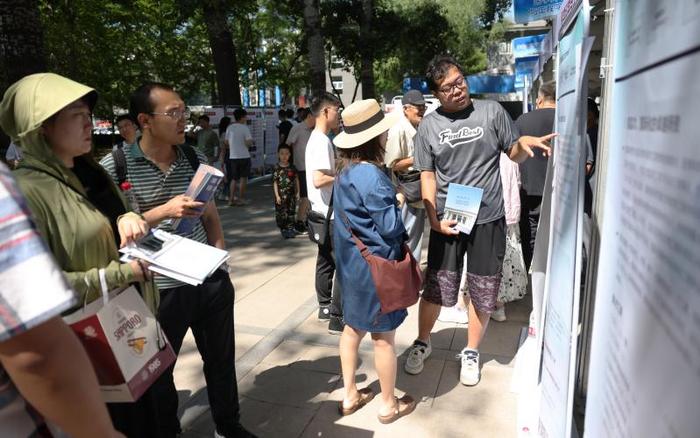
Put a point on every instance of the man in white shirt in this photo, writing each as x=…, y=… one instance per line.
x=237, y=143
x=297, y=139
x=320, y=175
x=399, y=159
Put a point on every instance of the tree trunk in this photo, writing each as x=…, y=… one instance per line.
x=223, y=52
x=21, y=41
x=367, y=51
x=312, y=27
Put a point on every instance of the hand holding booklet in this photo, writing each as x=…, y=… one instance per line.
x=201, y=189
x=176, y=257
x=462, y=205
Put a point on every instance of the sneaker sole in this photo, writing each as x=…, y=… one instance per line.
x=413, y=371
x=466, y=382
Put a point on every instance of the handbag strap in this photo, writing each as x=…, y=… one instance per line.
x=103, y=286
x=361, y=246
x=330, y=208
x=65, y=183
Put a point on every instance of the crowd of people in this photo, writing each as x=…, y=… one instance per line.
x=353, y=180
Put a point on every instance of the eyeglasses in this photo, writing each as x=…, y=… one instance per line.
x=449, y=89
x=176, y=114
x=419, y=108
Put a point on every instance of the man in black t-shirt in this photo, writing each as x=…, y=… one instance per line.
x=284, y=126
x=533, y=171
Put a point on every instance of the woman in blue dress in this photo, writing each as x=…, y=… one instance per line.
x=364, y=201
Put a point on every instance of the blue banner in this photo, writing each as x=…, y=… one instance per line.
x=531, y=10
x=525, y=67
x=278, y=95
x=527, y=46
x=482, y=84
x=415, y=84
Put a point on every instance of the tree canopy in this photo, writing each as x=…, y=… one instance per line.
x=114, y=46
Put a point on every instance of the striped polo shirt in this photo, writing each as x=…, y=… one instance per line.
x=152, y=187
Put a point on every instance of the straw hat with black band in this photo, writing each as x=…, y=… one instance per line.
x=362, y=121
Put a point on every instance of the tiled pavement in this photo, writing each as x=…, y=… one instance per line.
x=288, y=366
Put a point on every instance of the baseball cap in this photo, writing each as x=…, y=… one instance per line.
x=413, y=97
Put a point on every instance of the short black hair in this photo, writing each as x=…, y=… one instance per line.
x=124, y=117
x=322, y=101
x=203, y=117
x=548, y=91
x=284, y=146
x=438, y=68
x=239, y=113
x=140, y=100
x=303, y=113
x=290, y=112
x=223, y=124
x=282, y=114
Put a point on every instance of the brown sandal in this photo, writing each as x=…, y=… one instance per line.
x=404, y=406
x=366, y=396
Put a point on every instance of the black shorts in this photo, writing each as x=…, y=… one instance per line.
x=237, y=168
x=485, y=248
x=303, y=193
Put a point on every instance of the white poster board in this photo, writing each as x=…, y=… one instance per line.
x=644, y=376
x=272, y=136
x=256, y=124
x=562, y=283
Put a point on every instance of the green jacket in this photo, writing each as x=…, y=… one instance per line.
x=77, y=233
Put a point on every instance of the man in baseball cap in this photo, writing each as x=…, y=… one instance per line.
x=399, y=159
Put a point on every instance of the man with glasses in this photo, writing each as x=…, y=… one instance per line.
x=461, y=143
x=399, y=159
x=160, y=171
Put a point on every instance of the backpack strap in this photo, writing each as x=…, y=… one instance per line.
x=119, y=165
x=191, y=156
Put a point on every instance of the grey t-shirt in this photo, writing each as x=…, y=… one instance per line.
x=464, y=148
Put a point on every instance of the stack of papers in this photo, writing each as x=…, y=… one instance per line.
x=462, y=205
x=176, y=257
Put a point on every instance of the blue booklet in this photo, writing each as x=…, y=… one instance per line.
x=462, y=205
x=202, y=189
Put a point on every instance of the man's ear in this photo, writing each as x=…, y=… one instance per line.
x=143, y=120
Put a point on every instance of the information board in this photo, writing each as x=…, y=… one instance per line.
x=644, y=378
x=271, y=136
x=563, y=279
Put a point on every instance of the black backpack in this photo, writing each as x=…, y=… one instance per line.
x=120, y=161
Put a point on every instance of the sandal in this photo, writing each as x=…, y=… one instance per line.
x=404, y=406
x=366, y=396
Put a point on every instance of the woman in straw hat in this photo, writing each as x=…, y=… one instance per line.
x=365, y=201
x=78, y=210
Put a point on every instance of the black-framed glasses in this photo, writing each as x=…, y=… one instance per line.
x=449, y=89
x=176, y=114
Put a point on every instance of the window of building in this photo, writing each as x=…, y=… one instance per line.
x=337, y=82
x=336, y=63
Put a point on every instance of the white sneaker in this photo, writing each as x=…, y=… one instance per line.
x=500, y=314
x=417, y=354
x=469, y=375
x=453, y=314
